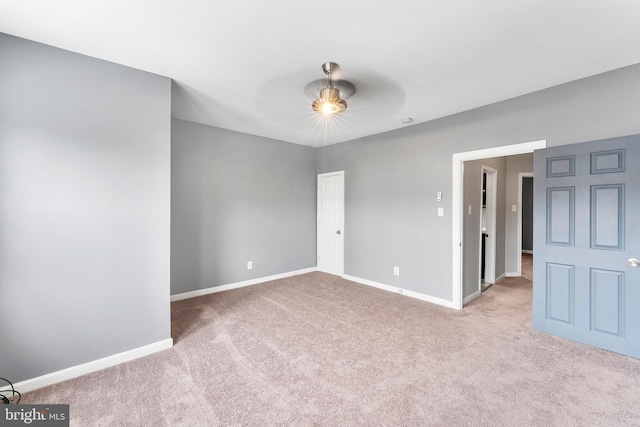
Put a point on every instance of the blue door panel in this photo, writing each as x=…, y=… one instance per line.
x=607, y=302
x=560, y=292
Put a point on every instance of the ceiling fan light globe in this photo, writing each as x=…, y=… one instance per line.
x=330, y=94
x=325, y=107
x=329, y=108
x=331, y=104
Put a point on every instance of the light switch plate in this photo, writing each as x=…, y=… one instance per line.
x=514, y=208
x=440, y=211
x=439, y=196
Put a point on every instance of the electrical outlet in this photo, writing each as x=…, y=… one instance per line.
x=400, y=291
x=396, y=271
x=249, y=265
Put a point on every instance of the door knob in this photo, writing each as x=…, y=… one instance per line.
x=338, y=232
x=633, y=262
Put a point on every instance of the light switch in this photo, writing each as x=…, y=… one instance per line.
x=440, y=211
x=514, y=208
x=439, y=196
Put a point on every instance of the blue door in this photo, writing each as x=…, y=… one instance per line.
x=586, y=241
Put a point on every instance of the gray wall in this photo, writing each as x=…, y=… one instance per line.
x=515, y=165
x=238, y=198
x=391, y=209
x=391, y=179
x=84, y=208
x=471, y=223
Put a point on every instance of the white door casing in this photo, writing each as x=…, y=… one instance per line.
x=330, y=231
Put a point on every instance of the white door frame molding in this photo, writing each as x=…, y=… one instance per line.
x=458, y=160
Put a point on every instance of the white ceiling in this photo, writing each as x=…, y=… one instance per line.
x=243, y=65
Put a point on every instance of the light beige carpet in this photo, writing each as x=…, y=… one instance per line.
x=319, y=350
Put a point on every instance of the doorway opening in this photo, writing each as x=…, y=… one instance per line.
x=458, y=160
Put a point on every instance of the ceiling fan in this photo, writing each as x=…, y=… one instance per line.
x=331, y=98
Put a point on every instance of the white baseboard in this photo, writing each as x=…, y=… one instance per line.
x=527, y=251
x=405, y=292
x=86, y=368
x=472, y=297
x=214, y=289
x=512, y=274
x=501, y=277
